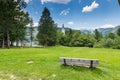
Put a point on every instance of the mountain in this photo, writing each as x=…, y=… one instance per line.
x=115, y=29
x=105, y=31
x=84, y=31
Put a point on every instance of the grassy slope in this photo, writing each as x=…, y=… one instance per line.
x=46, y=66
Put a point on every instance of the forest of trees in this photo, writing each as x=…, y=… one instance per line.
x=74, y=38
x=13, y=20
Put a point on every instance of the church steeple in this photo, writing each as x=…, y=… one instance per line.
x=63, y=29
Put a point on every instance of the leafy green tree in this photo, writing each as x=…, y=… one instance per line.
x=98, y=35
x=111, y=35
x=89, y=40
x=59, y=36
x=117, y=43
x=118, y=32
x=69, y=34
x=63, y=40
x=12, y=16
x=19, y=28
x=66, y=39
x=75, y=40
x=47, y=34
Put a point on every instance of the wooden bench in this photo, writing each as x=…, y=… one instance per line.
x=91, y=63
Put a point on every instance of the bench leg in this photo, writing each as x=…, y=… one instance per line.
x=91, y=64
x=64, y=62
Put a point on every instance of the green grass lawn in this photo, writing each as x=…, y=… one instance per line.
x=43, y=64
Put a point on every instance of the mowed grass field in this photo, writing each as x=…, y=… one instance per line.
x=43, y=64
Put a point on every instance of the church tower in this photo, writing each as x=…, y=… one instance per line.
x=63, y=29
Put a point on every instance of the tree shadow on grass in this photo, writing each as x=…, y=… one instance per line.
x=83, y=69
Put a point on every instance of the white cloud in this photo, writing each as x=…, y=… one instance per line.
x=90, y=8
x=106, y=26
x=93, y=28
x=34, y=24
x=70, y=23
x=65, y=12
x=27, y=1
x=56, y=1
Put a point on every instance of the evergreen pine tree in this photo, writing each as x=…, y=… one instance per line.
x=47, y=34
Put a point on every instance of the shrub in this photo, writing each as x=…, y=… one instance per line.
x=99, y=44
x=109, y=43
x=106, y=43
x=116, y=47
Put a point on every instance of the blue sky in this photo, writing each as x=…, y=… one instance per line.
x=77, y=14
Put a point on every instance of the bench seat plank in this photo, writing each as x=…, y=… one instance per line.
x=79, y=62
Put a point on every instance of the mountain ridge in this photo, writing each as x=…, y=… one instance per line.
x=104, y=31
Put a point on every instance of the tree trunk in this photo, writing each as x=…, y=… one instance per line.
x=31, y=44
x=3, y=43
x=17, y=43
x=11, y=43
x=21, y=43
x=8, y=39
x=8, y=34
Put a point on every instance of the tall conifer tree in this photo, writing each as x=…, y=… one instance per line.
x=47, y=34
